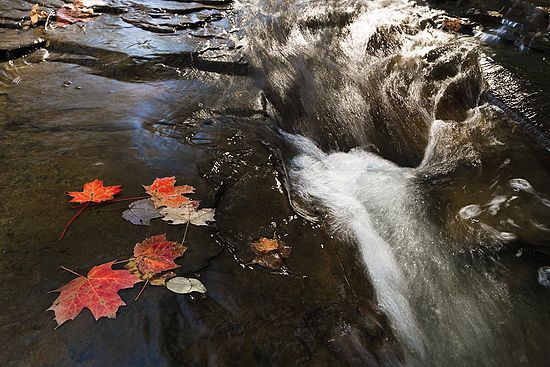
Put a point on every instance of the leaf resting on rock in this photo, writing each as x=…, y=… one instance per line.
x=141, y=212
x=98, y=292
x=269, y=253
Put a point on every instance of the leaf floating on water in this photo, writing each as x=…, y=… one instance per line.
x=269, y=253
x=156, y=254
x=95, y=192
x=164, y=192
x=183, y=215
x=183, y=285
x=141, y=212
x=98, y=292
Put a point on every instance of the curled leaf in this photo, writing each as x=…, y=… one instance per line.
x=185, y=285
x=37, y=15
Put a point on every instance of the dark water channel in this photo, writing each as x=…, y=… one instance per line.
x=407, y=166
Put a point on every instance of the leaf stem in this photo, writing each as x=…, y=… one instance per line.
x=186, y=226
x=141, y=291
x=72, y=271
x=72, y=220
x=126, y=199
x=122, y=261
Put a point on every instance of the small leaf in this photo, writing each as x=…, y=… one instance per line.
x=95, y=192
x=264, y=245
x=183, y=215
x=269, y=253
x=185, y=285
x=141, y=212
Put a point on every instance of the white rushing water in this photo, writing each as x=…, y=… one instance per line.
x=441, y=309
x=381, y=74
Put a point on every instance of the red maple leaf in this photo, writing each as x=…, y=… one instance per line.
x=156, y=254
x=94, y=191
x=164, y=192
x=97, y=292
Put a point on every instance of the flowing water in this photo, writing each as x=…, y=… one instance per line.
x=408, y=166
x=432, y=179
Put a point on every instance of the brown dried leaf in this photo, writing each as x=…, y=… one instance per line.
x=37, y=15
x=452, y=24
x=271, y=260
x=269, y=253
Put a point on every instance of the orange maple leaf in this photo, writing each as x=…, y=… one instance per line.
x=164, y=192
x=94, y=191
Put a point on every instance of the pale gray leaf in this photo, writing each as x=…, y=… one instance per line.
x=185, y=285
x=183, y=215
x=141, y=212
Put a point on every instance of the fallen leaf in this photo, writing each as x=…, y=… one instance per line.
x=265, y=245
x=73, y=13
x=141, y=212
x=98, y=292
x=37, y=15
x=156, y=254
x=94, y=191
x=269, y=253
x=452, y=24
x=164, y=192
x=271, y=260
x=189, y=214
x=185, y=285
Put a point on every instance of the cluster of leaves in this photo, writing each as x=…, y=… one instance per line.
x=168, y=202
x=152, y=260
x=75, y=12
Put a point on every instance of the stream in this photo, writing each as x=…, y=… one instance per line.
x=406, y=163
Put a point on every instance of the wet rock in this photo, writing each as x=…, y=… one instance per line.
x=17, y=43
